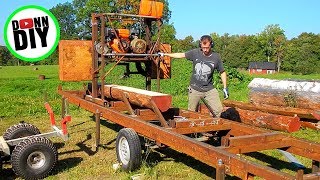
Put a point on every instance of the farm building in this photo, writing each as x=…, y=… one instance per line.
x=262, y=67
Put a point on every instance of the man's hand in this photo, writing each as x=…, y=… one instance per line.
x=161, y=54
x=225, y=93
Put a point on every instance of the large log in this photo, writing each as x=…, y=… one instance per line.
x=139, y=97
x=270, y=121
x=259, y=119
x=287, y=93
x=287, y=111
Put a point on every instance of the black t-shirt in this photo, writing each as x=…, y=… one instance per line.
x=203, y=68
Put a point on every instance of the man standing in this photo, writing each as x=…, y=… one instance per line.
x=205, y=62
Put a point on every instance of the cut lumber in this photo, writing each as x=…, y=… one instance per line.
x=288, y=93
x=139, y=97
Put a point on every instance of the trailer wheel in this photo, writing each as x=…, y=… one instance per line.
x=20, y=130
x=34, y=158
x=128, y=149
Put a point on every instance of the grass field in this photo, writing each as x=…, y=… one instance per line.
x=22, y=98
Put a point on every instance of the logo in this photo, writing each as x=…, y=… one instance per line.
x=31, y=33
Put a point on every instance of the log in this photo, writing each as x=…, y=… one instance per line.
x=311, y=125
x=270, y=121
x=286, y=93
x=259, y=119
x=287, y=111
x=139, y=97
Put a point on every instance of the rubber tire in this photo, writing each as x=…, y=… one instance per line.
x=20, y=130
x=134, y=160
x=20, y=159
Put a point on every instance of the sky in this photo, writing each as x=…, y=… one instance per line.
x=199, y=17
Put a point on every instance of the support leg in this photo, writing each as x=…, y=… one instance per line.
x=97, y=136
x=220, y=171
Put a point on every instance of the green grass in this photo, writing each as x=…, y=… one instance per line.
x=22, y=98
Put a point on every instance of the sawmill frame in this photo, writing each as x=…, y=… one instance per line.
x=172, y=127
x=98, y=35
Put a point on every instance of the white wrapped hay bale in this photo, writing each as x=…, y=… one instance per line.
x=288, y=93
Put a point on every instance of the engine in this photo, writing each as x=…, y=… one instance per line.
x=122, y=41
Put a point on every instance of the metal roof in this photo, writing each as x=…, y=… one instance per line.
x=263, y=65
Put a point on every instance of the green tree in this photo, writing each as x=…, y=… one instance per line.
x=85, y=8
x=272, y=39
x=303, y=54
x=65, y=14
x=184, y=45
x=5, y=56
x=168, y=33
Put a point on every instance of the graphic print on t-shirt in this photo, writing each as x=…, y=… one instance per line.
x=203, y=70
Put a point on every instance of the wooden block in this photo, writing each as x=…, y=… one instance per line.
x=75, y=60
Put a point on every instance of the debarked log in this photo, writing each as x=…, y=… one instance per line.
x=265, y=120
x=259, y=119
x=139, y=97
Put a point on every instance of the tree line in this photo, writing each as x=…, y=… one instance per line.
x=299, y=55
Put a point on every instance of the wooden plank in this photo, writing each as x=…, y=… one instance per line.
x=193, y=115
x=239, y=129
x=186, y=122
x=257, y=146
x=255, y=138
x=146, y=114
x=305, y=148
x=139, y=97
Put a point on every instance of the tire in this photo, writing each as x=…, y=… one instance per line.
x=128, y=148
x=34, y=158
x=20, y=130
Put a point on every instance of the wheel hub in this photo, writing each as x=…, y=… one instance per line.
x=36, y=160
x=124, y=150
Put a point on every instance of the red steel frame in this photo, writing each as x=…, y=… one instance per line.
x=175, y=124
x=239, y=138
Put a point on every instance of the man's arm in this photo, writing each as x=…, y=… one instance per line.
x=224, y=79
x=224, y=82
x=175, y=55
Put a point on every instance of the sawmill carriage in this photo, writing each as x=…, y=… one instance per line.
x=148, y=118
